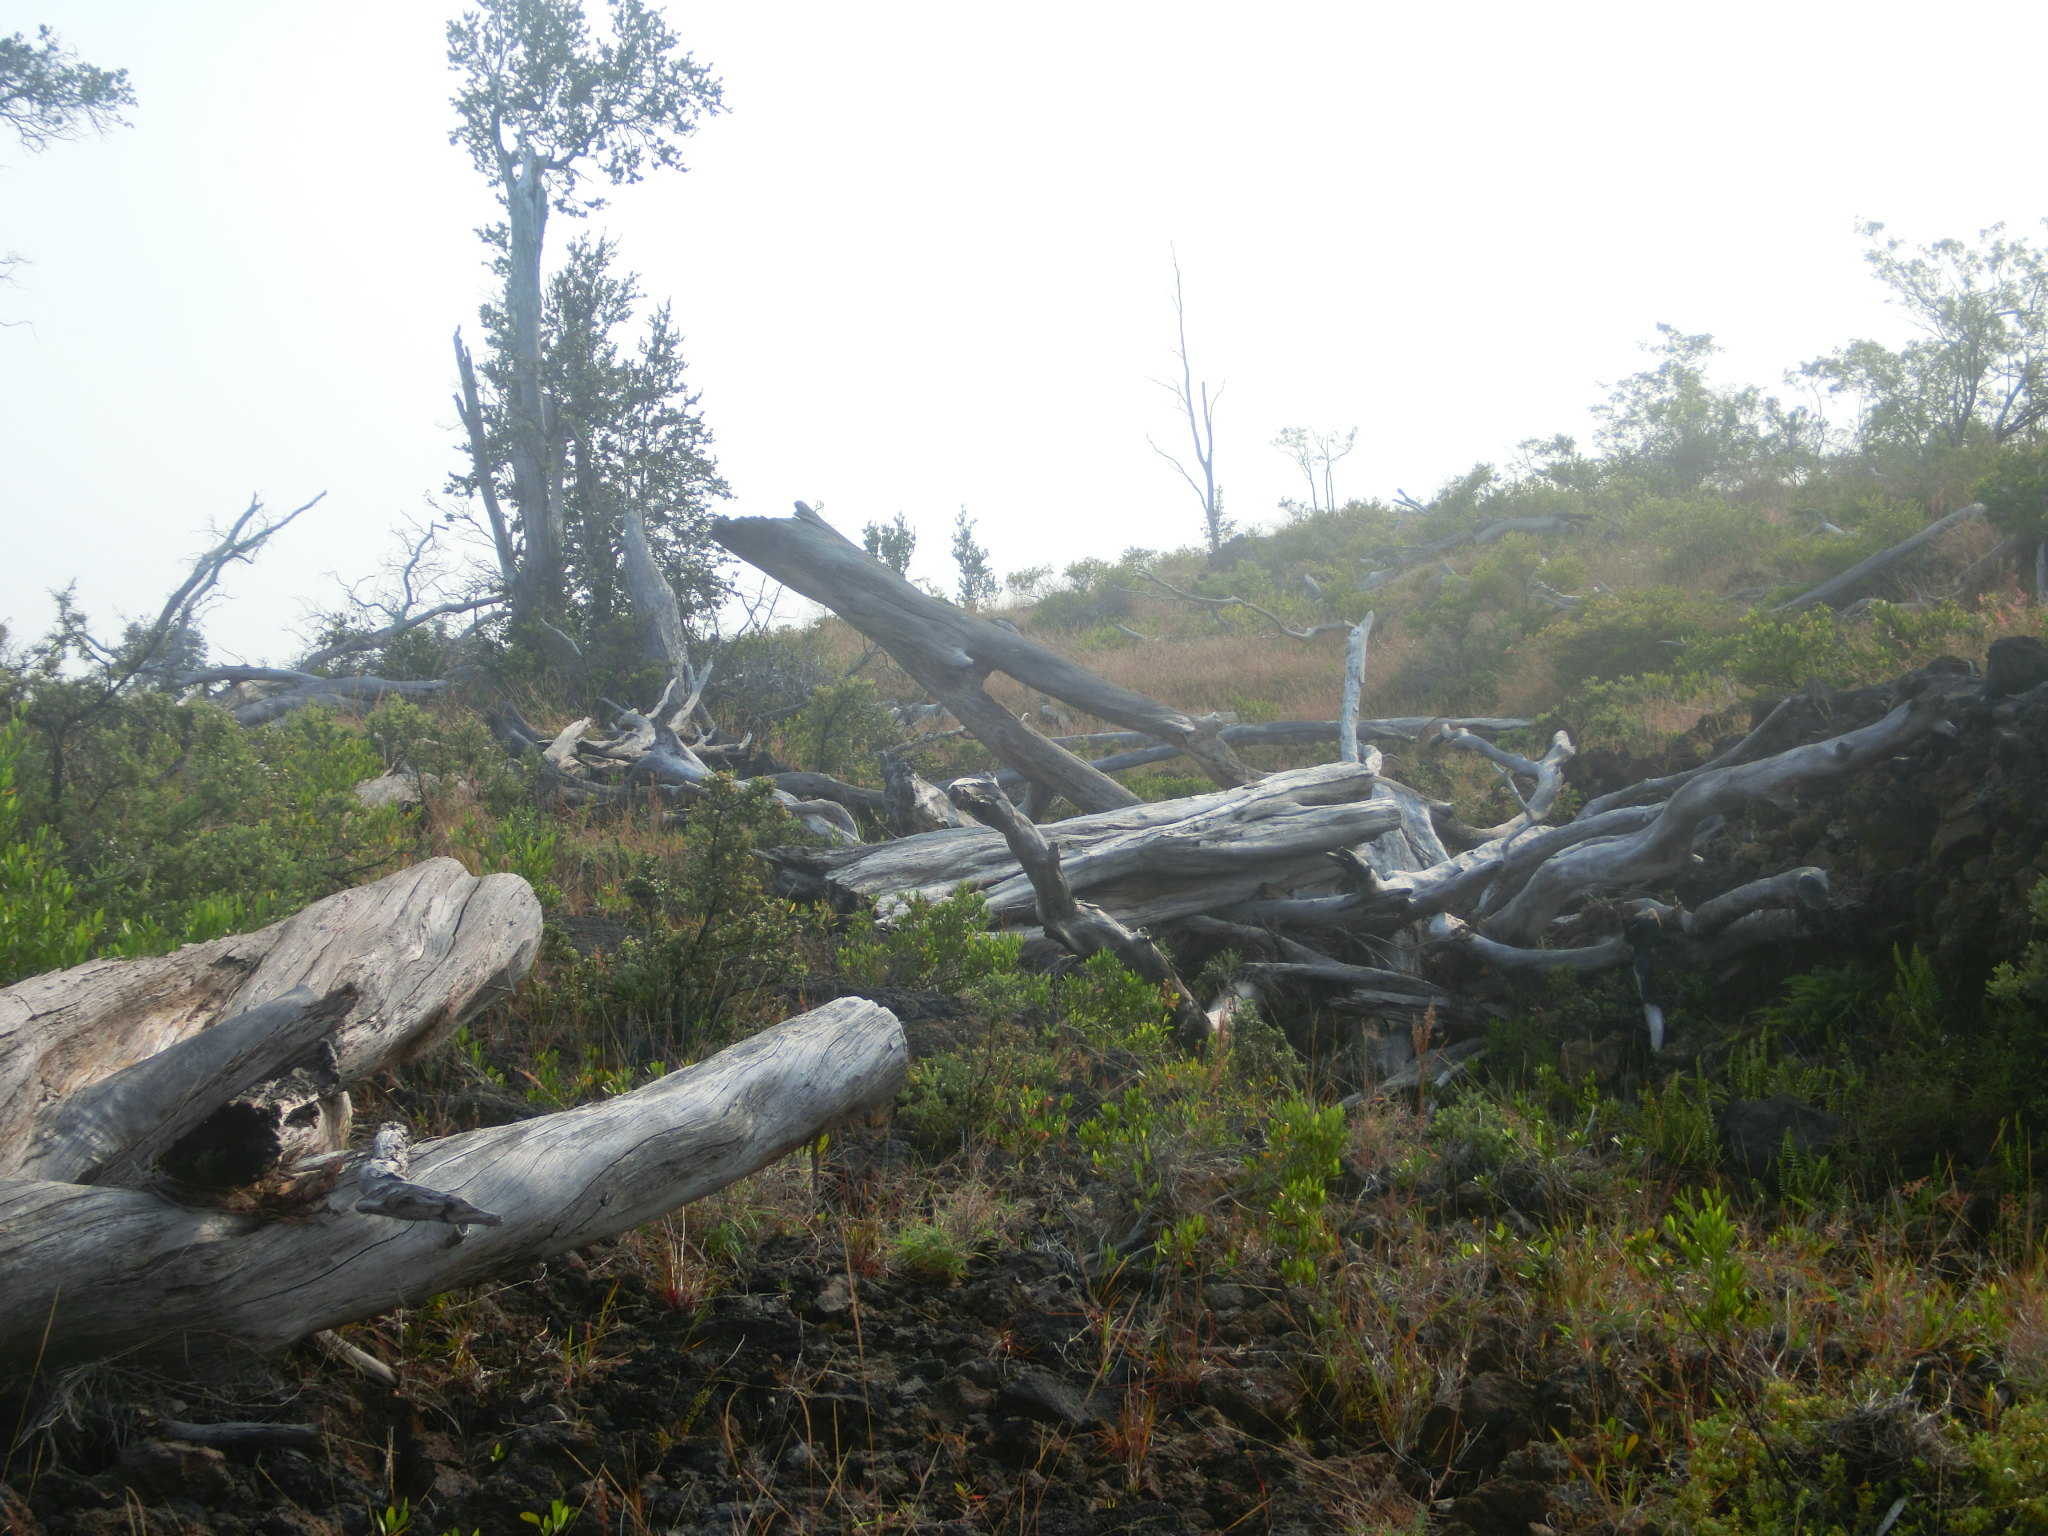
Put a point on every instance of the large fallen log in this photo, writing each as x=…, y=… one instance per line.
x=90, y=1271
x=305, y=690
x=951, y=653
x=1144, y=865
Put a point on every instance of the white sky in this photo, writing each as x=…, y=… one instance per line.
x=923, y=260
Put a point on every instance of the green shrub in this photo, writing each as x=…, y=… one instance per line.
x=1290, y=1178
x=840, y=730
x=42, y=927
x=173, y=820
x=1107, y=1004
x=2015, y=492
x=939, y=945
x=1802, y=1461
x=1628, y=634
x=927, y=1251
x=718, y=937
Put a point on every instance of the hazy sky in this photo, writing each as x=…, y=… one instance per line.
x=923, y=261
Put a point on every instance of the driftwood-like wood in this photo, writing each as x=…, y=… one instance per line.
x=1545, y=775
x=1145, y=865
x=424, y=949
x=1081, y=928
x=915, y=805
x=114, y=1131
x=1354, y=685
x=301, y=690
x=951, y=653
x=1659, y=849
x=1217, y=605
x=89, y=1271
x=1853, y=583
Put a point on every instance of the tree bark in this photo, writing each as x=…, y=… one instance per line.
x=1659, y=849
x=1144, y=865
x=524, y=185
x=1354, y=684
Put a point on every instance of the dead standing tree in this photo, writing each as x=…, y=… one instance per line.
x=1199, y=407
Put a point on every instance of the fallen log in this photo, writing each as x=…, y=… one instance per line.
x=1302, y=733
x=1659, y=849
x=302, y=690
x=1852, y=583
x=424, y=949
x=89, y=1271
x=1272, y=733
x=951, y=653
x=1144, y=865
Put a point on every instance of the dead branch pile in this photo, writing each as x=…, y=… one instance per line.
x=1304, y=863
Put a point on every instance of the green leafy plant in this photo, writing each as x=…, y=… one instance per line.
x=1123, y=1141
x=939, y=945
x=517, y=843
x=1304, y=1146
x=42, y=927
x=1713, y=1292
x=928, y=1251
x=554, y=1522
x=718, y=936
x=1184, y=1244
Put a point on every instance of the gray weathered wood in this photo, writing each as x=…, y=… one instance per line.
x=1144, y=865
x=1660, y=848
x=102, y=1270
x=425, y=949
x=1354, y=684
x=1852, y=583
x=951, y=653
x=114, y=1130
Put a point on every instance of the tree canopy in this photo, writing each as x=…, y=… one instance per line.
x=1978, y=369
x=48, y=93
x=584, y=429
x=538, y=85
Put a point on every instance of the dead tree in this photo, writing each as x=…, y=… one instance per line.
x=1199, y=407
x=951, y=653
x=1857, y=580
x=174, y=1132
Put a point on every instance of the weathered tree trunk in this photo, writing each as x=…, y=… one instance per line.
x=524, y=184
x=951, y=653
x=89, y=1271
x=424, y=949
x=1853, y=582
x=345, y=694
x=1660, y=848
x=1144, y=865
x=1354, y=685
